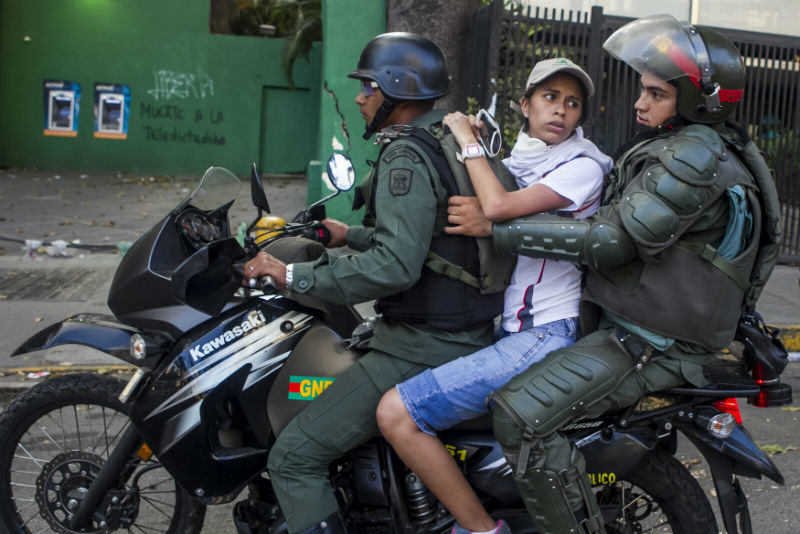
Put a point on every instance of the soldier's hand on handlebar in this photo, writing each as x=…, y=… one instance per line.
x=264, y=265
x=338, y=231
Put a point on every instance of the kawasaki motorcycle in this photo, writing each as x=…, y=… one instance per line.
x=221, y=370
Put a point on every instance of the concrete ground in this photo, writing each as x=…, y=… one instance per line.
x=37, y=290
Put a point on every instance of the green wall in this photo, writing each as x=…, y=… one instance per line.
x=182, y=79
x=348, y=26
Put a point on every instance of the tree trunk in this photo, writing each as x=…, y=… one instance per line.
x=449, y=24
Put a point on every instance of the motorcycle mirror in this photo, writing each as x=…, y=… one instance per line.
x=257, y=190
x=341, y=172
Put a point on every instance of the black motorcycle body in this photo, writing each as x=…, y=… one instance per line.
x=223, y=370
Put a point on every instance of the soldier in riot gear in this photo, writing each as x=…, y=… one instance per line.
x=687, y=235
x=441, y=317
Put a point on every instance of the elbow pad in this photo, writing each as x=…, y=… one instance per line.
x=597, y=243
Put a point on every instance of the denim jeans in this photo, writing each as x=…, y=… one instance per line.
x=454, y=392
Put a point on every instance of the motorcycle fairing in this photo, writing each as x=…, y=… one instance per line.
x=749, y=460
x=203, y=411
x=737, y=454
x=101, y=332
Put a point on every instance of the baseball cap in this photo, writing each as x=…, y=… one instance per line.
x=547, y=67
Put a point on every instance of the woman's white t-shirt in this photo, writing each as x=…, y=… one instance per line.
x=542, y=290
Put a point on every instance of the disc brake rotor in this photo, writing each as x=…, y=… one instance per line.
x=61, y=487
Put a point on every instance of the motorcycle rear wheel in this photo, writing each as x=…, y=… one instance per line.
x=53, y=441
x=658, y=496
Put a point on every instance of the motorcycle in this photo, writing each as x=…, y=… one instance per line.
x=221, y=370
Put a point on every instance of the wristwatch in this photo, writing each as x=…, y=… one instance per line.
x=289, y=277
x=472, y=150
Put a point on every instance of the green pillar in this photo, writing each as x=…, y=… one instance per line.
x=347, y=26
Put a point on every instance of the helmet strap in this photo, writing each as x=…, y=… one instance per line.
x=380, y=117
x=708, y=88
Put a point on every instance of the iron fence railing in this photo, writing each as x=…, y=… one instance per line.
x=509, y=41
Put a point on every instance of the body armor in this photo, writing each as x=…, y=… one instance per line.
x=677, y=285
x=448, y=293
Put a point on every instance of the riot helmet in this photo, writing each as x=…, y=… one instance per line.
x=705, y=66
x=406, y=67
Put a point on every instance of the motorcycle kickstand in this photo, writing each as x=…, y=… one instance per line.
x=127, y=445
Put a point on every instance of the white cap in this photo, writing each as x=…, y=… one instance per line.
x=547, y=67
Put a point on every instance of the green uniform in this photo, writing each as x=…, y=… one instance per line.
x=670, y=206
x=410, y=204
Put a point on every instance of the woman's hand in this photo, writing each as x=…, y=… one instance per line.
x=464, y=127
x=265, y=265
x=467, y=218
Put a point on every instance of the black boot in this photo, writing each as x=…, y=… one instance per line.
x=333, y=524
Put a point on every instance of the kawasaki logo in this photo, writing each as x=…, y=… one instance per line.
x=307, y=387
x=254, y=320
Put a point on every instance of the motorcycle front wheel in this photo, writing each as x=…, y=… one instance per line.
x=55, y=438
x=658, y=496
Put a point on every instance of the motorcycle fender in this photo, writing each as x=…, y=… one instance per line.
x=315, y=363
x=101, y=332
x=610, y=456
x=740, y=447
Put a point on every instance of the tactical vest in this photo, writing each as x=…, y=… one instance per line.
x=681, y=288
x=451, y=292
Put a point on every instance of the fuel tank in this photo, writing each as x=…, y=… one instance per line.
x=315, y=363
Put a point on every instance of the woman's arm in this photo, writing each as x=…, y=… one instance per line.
x=497, y=203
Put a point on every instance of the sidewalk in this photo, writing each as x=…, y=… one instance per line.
x=96, y=209
x=106, y=208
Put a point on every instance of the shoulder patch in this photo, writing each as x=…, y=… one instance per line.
x=401, y=151
x=400, y=181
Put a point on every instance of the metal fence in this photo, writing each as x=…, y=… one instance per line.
x=519, y=36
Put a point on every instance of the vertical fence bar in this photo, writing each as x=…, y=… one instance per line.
x=594, y=67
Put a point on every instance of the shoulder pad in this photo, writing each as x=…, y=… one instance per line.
x=707, y=136
x=691, y=157
x=681, y=196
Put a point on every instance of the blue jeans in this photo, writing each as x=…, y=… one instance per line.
x=454, y=392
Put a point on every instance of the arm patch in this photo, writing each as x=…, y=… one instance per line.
x=401, y=151
x=400, y=181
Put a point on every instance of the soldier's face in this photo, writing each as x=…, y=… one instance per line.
x=368, y=104
x=554, y=108
x=658, y=102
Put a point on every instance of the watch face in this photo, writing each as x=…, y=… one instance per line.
x=473, y=150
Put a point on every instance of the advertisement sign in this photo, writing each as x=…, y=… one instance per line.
x=62, y=101
x=112, y=103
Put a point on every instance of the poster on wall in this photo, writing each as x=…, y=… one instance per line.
x=112, y=103
x=62, y=103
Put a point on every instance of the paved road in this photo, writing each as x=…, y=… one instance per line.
x=774, y=508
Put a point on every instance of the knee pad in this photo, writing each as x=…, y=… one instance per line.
x=561, y=387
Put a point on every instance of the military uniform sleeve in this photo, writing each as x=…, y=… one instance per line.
x=360, y=238
x=405, y=204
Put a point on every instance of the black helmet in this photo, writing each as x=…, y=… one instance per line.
x=706, y=66
x=405, y=66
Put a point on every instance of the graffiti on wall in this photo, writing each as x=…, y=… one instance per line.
x=169, y=84
x=181, y=121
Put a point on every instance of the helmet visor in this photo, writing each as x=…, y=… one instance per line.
x=657, y=45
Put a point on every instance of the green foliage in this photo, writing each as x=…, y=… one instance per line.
x=299, y=20
x=780, y=148
x=522, y=44
x=472, y=105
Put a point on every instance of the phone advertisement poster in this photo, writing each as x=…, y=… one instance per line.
x=62, y=103
x=112, y=104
